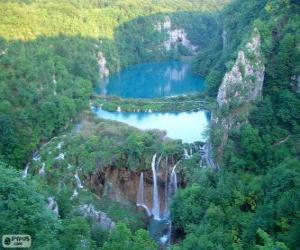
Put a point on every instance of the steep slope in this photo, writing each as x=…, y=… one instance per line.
x=252, y=202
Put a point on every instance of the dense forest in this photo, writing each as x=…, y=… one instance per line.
x=49, y=68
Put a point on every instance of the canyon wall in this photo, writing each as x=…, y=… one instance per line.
x=122, y=185
x=240, y=87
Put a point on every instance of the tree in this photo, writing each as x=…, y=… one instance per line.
x=24, y=211
x=122, y=238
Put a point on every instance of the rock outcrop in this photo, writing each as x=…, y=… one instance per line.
x=52, y=205
x=88, y=210
x=174, y=36
x=243, y=83
x=240, y=87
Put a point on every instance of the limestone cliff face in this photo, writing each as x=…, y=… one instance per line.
x=243, y=83
x=175, y=36
x=121, y=184
x=240, y=87
x=89, y=211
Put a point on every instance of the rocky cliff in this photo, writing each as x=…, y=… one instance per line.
x=243, y=83
x=122, y=185
x=174, y=36
x=239, y=88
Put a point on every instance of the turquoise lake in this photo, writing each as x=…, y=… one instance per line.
x=158, y=80
x=153, y=80
x=187, y=126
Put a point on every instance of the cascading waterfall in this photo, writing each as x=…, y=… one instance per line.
x=173, y=182
x=140, y=195
x=155, y=204
x=75, y=193
x=186, y=154
x=78, y=181
x=166, y=212
x=25, y=173
x=172, y=191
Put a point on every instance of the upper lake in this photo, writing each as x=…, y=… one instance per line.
x=153, y=80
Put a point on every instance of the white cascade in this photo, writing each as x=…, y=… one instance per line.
x=52, y=205
x=191, y=151
x=78, y=181
x=173, y=182
x=75, y=193
x=172, y=190
x=155, y=204
x=25, y=173
x=186, y=154
x=140, y=201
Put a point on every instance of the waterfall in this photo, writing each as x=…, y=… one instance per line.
x=140, y=202
x=173, y=182
x=166, y=212
x=158, y=163
x=42, y=169
x=140, y=194
x=186, y=154
x=172, y=191
x=78, y=181
x=75, y=193
x=155, y=204
x=52, y=205
x=25, y=173
x=172, y=188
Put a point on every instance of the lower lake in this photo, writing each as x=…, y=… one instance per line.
x=187, y=126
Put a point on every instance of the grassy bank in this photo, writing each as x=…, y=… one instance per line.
x=182, y=103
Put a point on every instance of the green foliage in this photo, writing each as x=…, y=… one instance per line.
x=122, y=238
x=48, y=57
x=76, y=234
x=23, y=211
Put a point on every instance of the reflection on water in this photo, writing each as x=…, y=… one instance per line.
x=152, y=80
x=187, y=126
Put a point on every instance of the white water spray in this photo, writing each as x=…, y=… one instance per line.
x=155, y=203
x=42, y=169
x=25, y=173
x=78, y=181
x=140, y=195
x=186, y=154
x=75, y=193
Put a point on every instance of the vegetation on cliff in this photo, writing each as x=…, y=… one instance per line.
x=51, y=57
x=252, y=202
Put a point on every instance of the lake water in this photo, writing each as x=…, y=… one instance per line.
x=187, y=126
x=153, y=80
x=157, y=80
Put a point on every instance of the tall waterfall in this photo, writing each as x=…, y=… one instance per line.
x=140, y=194
x=140, y=202
x=155, y=204
x=173, y=182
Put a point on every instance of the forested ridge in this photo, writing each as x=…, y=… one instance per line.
x=253, y=201
x=49, y=68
